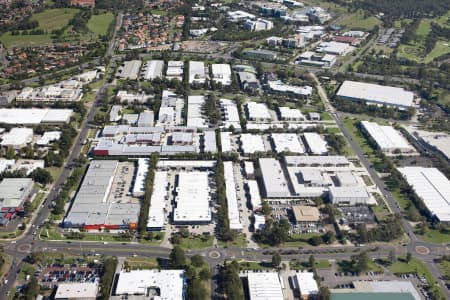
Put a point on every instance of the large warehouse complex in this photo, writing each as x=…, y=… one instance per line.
x=433, y=187
x=103, y=200
x=375, y=94
x=387, y=138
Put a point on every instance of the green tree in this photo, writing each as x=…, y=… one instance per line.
x=329, y=237
x=204, y=274
x=177, y=258
x=312, y=261
x=324, y=293
x=42, y=176
x=276, y=260
x=197, y=260
x=363, y=236
x=32, y=289
x=27, y=208
x=232, y=284
x=196, y=290
x=361, y=262
x=392, y=258
x=408, y=257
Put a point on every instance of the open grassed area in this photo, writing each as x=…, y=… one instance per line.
x=99, y=24
x=436, y=236
x=51, y=19
x=359, y=21
x=10, y=40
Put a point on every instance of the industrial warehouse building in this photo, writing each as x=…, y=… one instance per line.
x=266, y=285
x=192, y=201
x=306, y=285
x=221, y=73
x=151, y=284
x=14, y=191
x=160, y=195
x=197, y=72
x=77, y=291
x=316, y=144
x=97, y=205
x=34, y=116
x=230, y=114
x=17, y=138
x=316, y=161
x=349, y=195
x=275, y=183
x=129, y=70
x=153, y=69
x=287, y=142
x=375, y=94
x=432, y=187
x=386, y=138
x=232, y=202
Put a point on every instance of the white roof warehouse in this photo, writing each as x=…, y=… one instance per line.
x=433, y=187
x=375, y=94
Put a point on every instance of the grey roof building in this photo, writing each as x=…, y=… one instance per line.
x=14, y=191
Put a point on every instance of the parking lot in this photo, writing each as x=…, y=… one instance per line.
x=53, y=274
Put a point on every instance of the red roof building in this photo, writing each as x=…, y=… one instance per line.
x=85, y=3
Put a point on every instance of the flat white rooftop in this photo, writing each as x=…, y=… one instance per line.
x=257, y=111
x=158, y=201
x=33, y=116
x=225, y=141
x=232, y=203
x=77, y=290
x=273, y=176
x=433, y=187
x=192, y=201
x=221, y=73
x=251, y=143
x=316, y=144
x=196, y=72
x=153, y=69
x=287, y=142
x=265, y=286
x=386, y=137
x=306, y=283
x=170, y=283
x=230, y=114
x=374, y=93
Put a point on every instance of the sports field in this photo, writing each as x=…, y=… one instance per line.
x=99, y=24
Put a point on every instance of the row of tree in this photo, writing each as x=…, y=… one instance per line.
x=146, y=202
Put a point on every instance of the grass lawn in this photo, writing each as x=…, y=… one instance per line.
x=55, y=172
x=435, y=236
x=326, y=116
x=27, y=269
x=160, y=12
x=445, y=267
x=333, y=130
x=424, y=28
x=99, y=24
x=37, y=200
x=25, y=40
x=51, y=19
x=304, y=265
x=253, y=265
x=380, y=211
x=300, y=240
x=401, y=199
x=240, y=241
x=141, y=263
x=351, y=124
x=441, y=48
x=357, y=20
x=196, y=243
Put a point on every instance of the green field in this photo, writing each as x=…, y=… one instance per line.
x=25, y=40
x=435, y=236
x=415, y=49
x=99, y=24
x=52, y=19
x=357, y=20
